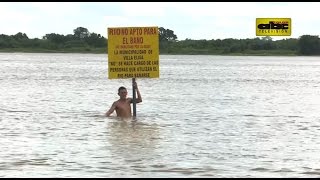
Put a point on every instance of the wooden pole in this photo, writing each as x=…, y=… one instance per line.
x=134, y=98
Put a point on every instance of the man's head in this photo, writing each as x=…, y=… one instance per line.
x=122, y=92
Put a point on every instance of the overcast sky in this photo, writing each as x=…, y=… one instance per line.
x=193, y=20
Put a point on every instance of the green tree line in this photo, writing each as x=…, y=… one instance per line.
x=84, y=41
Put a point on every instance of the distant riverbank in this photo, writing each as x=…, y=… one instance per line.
x=104, y=51
x=91, y=43
x=27, y=50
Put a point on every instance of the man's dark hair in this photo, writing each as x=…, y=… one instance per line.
x=120, y=88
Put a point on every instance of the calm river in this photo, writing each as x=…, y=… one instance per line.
x=206, y=116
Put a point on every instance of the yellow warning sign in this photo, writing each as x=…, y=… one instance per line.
x=133, y=52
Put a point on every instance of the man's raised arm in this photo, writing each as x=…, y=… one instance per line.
x=139, y=98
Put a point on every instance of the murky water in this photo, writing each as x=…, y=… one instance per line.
x=206, y=116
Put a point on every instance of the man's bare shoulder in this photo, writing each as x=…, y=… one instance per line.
x=115, y=103
x=129, y=100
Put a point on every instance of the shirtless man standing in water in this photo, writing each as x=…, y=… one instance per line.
x=122, y=106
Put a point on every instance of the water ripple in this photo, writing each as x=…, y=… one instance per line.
x=206, y=116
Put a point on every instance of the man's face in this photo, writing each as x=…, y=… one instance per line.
x=123, y=93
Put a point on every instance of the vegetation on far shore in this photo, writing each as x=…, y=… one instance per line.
x=83, y=41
